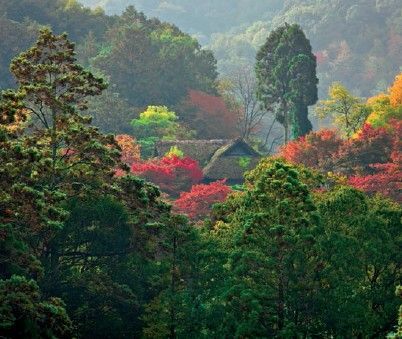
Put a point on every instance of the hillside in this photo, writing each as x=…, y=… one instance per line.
x=144, y=194
x=356, y=42
x=210, y=16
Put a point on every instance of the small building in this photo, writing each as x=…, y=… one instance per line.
x=219, y=159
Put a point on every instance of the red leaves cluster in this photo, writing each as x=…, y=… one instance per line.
x=313, y=150
x=172, y=174
x=197, y=203
x=387, y=180
x=386, y=176
x=210, y=116
x=370, y=146
x=372, y=160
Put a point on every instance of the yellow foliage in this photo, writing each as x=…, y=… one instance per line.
x=382, y=110
x=347, y=111
x=72, y=5
x=158, y=113
x=379, y=100
x=395, y=91
x=175, y=151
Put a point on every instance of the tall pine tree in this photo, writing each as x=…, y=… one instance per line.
x=287, y=81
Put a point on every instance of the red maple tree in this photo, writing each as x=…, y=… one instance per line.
x=172, y=174
x=197, y=203
x=315, y=149
x=209, y=115
x=385, y=177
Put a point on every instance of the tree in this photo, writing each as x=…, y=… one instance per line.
x=111, y=113
x=130, y=150
x=24, y=313
x=359, y=260
x=348, y=112
x=370, y=146
x=197, y=203
x=66, y=220
x=386, y=180
x=171, y=311
x=286, y=77
x=240, y=91
x=154, y=63
x=54, y=91
x=382, y=177
x=57, y=155
x=171, y=173
x=398, y=333
x=385, y=107
x=208, y=115
x=157, y=123
x=315, y=150
x=381, y=111
x=268, y=233
x=395, y=92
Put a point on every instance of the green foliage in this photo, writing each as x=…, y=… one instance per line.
x=23, y=313
x=244, y=162
x=175, y=151
x=53, y=90
x=360, y=255
x=157, y=123
x=398, y=333
x=347, y=111
x=111, y=113
x=287, y=255
x=286, y=75
x=268, y=233
x=331, y=255
x=84, y=264
x=154, y=63
x=148, y=146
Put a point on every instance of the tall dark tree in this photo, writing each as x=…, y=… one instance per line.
x=85, y=235
x=287, y=81
x=269, y=235
x=53, y=90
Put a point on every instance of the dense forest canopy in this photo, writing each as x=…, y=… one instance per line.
x=151, y=187
x=364, y=36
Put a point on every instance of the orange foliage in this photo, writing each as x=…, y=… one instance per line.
x=130, y=150
x=372, y=160
x=395, y=92
x=386, y=180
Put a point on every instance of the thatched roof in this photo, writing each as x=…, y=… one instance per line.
x=220, y=159
x=231, y=161
x=200, y=150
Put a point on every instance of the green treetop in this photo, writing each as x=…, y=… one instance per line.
x=347, y=111
x=286, y=75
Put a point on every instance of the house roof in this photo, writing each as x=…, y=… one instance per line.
x=220, y=159
x=200, y=150
x=231, y=161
